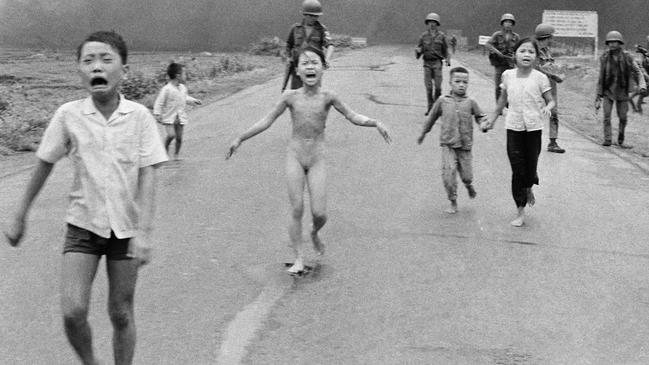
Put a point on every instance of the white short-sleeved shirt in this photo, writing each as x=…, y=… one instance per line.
x=525, y=99
x=106, y=157
x=171, y=103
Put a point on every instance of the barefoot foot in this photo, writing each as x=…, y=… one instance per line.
x=452, y=209
x=519, y=221
x=297, y=267
x=520, y=218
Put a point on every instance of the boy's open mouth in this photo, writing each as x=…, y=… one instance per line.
x=310, y=75
x=98, y=81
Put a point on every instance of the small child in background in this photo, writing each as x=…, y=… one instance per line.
x=169, y=106
x=457, y=112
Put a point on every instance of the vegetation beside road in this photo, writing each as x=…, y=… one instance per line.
x=34, y=83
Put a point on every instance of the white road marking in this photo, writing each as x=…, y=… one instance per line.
x=243, y=328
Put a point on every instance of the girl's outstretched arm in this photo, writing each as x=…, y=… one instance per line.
x=359, y=119
x=260, y=126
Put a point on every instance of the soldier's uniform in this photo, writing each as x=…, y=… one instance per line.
x=432, y=47
x=618, y=71
x=298, y=39
x=546, y=65
x=504, y=42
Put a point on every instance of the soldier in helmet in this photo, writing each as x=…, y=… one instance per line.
x=644, y=67
x=618, y=70
x=310, y=32
x=543, y=34
x=434, y=49
x=501, y=49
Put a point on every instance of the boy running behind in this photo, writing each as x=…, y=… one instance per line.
x=456, y=112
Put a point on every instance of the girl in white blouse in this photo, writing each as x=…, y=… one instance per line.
x=527, y=94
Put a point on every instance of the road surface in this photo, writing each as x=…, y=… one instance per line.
x=402, y=282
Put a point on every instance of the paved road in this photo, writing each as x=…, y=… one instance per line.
x=402, y=282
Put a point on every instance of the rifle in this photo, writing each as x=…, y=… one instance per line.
x=287, y=74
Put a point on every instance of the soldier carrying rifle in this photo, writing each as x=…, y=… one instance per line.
x=310, y=32
x=501, y=49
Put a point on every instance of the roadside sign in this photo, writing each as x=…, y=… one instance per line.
x=573, y=23
x=568, y=23
x=483, y=39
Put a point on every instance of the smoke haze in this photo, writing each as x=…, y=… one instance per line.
x=219, y=25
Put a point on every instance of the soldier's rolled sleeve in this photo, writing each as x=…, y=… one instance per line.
x=327, y=39
x=638, y=73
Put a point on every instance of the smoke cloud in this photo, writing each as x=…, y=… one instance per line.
x=219, y=25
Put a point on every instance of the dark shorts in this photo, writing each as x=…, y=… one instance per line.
x=83, y=241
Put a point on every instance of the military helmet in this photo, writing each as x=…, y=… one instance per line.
x=507, y=16
x=543, y=31
x=311, y=7
x=614, y=36
x=432, y=17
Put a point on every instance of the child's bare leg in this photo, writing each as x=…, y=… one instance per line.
x=178, y=128
x=295, y=179
x=77, y=274
x=520, y=217
x=171, y=134
x=317, y=183
x=449, y=176
x=122, y=276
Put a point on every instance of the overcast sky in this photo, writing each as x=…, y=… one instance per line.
x=215, y=25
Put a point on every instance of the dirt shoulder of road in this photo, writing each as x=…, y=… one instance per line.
x=576, y=105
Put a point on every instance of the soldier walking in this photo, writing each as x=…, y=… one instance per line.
x=310, y=32
x=544, y=34
x=501, y=49
x=434, y=49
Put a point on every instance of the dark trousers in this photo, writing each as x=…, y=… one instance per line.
x=622, y=107
x=432, y=73
x=523, y=149
x=554, y=117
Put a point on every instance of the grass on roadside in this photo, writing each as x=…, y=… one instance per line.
x=34, y=83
